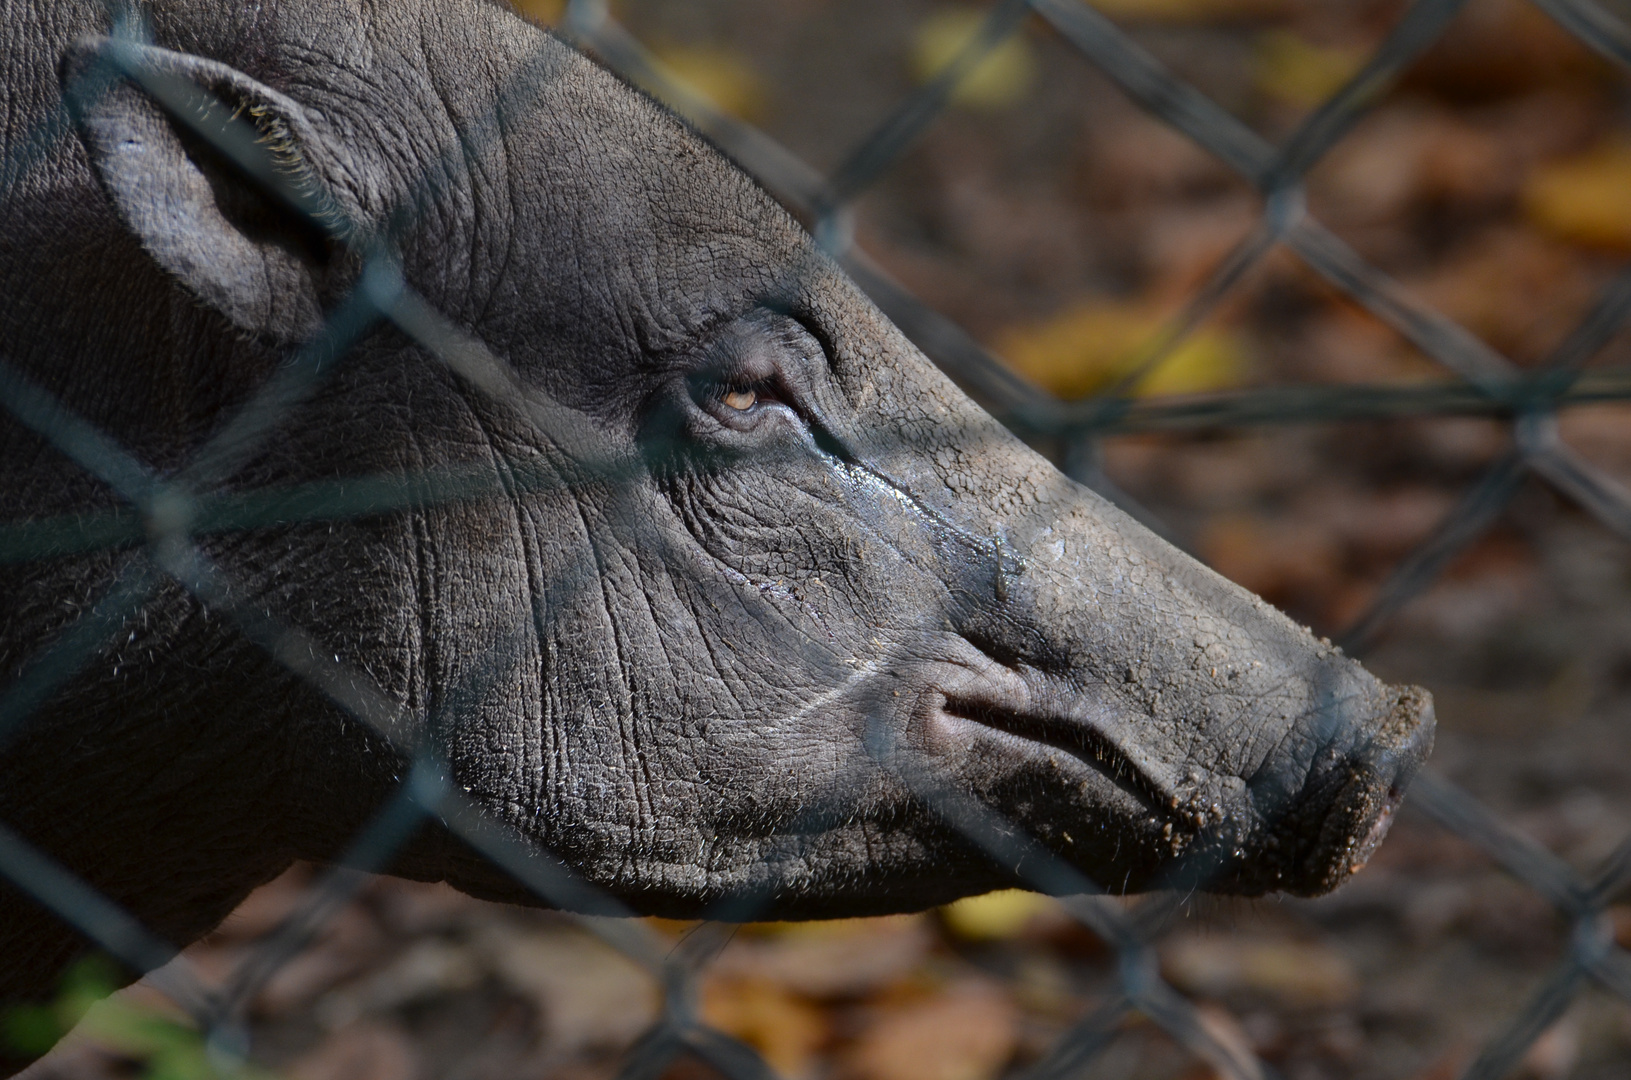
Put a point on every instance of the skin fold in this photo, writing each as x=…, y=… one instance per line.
x=736, y=634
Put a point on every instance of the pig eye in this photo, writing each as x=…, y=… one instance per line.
x=748, y=378
x=741, y=399
x=736, y=399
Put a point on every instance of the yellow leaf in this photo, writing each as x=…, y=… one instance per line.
x=1586, y=198
x=722, y=77
x=548, y=12
x=1088, y=347
x=1299, y=72
x=999, y=80
x=995, y=916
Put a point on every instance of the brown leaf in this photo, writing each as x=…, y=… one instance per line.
x=785, y=1028
x=347, y=943
x=1407, y=155
x=366, y=1051
x=590, y=994
x=1502, y=47
x=842, y=958
x=1515, y=288
x=1274, y=557
x=423, y=907
x=1602, y=434
x=263, y=909
x=967, y=1033
x=428, y=968
x=1553, y=1055
x=1620, y=916
x=1296, y=974
x=1233, y=1044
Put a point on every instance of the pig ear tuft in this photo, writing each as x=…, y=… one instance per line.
x=245, y=219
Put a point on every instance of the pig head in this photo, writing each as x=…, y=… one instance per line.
x=731, y=637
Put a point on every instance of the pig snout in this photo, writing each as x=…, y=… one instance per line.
x=1192, y=736
x=1318, y=832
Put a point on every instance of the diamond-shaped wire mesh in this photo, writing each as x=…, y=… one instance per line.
x=166, y=512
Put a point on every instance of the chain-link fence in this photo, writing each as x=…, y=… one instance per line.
x=166, y=512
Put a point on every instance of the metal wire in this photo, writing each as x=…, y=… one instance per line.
x=152, y=540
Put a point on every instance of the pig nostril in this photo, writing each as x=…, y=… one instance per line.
x=1331, y=814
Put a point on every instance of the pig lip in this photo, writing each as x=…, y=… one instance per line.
x=1075, y=738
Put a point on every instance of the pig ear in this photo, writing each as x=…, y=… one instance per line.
x=221, y=178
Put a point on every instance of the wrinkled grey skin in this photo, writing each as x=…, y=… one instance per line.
x=668, y=677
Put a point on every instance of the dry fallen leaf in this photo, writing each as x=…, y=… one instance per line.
x=785, y=1028
x=1087, y=348
x=722, y=77
x=999, y=80
x=1620, y=916
x=1602, y=434
x=590, y=994
x=966, y=1033
x=1516, y=288
x=841, y=958
x=427, y=969
x=1554, y=1054
x=1295, y=974
x=1191, y=11
x=266, y=907
x=349, y=942
x=413, y=908
x=1587, y=198
x=1503, y=48
x=366, y=1051
x=548, y=12
x=996, y=916
x=1449, y=1065
x=1230, y=1037
x=1299, y=72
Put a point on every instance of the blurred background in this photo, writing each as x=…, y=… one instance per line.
x=1062, y=227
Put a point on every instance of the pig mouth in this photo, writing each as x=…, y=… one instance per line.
x=1046, y=735
x=1379, y=829
x=1307, y=848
